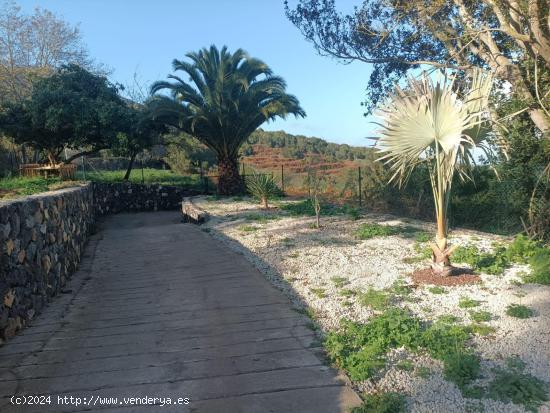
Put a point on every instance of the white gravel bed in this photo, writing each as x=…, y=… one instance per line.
x=302, y=261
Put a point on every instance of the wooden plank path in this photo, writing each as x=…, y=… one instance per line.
x=159, y=309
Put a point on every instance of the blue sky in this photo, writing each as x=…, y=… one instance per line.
x=144, y=36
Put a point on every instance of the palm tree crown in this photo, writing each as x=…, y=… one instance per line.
x=228, y=96
x=431, y=123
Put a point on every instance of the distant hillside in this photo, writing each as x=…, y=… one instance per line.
x=270, y=150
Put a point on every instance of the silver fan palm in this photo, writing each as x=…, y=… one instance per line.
x=430, y=122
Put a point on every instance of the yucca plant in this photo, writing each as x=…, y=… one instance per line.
x=263, y=187
x=431, y=122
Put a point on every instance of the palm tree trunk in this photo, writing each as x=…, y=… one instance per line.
x=229, y=181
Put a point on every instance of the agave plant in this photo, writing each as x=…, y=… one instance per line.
x=227, y=97
x=263, y=187
x=431, y=122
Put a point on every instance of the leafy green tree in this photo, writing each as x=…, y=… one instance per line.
x=428, y=123
x=508, y=37
x=140, y=132
x=228, y=97
x=72, y=109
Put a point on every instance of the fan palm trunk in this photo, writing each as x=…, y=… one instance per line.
x=229, y=181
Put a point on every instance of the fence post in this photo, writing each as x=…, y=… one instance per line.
x=84, y=167
x=360, y=195
x=142, y=174
x=283, y=178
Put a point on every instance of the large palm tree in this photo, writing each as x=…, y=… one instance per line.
x=228, y=96
x=431, y=122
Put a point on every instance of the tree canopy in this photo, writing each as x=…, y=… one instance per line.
x=228, y=97
x=71, y=109
x=509, y=37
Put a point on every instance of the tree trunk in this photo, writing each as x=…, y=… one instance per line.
x=265, y=205
x=229, y=181
x=130, y=166
x=441, y=262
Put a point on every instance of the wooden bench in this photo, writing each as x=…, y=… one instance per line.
x=192, y=213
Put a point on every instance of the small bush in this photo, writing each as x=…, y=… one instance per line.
x=262, y=187
x=461, y=368
x=437, y=290
x=375, y=299
x=448, y=319
x=519, y=388
x=519, y=311
x=382, y=403
x=521, y=249
x=423, y=236
x=368, y=231
x=441, y=338
x=466, y=302
x=481, y=329
x=540, y=267
x=479, y=316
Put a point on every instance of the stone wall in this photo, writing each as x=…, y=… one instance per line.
x=112, y=198
x=42, y=238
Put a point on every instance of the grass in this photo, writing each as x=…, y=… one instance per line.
x=390, y=402
x=519, y=311
x=372, y=230
x=406, y=365
x=346, y=292
x=437, y=290
x=480, y=316
x=375, y=299
x=248, y=228
x=22, y=186
x=465, y=302
x=150, y=176
x=368, y=231
x=319, y=292
x=340, y=282
x=305, y=208
x=481, y=329
x=261, y=218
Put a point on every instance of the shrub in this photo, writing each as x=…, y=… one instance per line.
x=480, y=316
x=368, y=231
x=375, y=299
x=519, y=311
x=441, y=338
x=519, y=388
x=382, y=403
x=521, y=249
x=540, y=267
x=480, y=329
x=437, y=290
x=466, y=302
x=263, y=187
x=360, y=348
x=461, y=368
